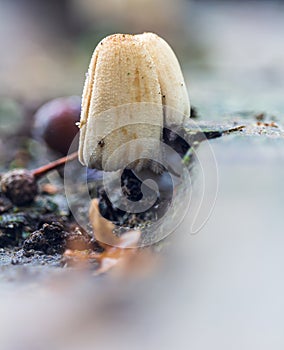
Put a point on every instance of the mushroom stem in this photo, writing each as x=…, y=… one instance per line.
x=39, y=172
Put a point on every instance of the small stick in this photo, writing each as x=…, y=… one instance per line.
x=209, y=135
x=39, y=172
x=237, y=128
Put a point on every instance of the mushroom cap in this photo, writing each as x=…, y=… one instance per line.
x=129, y=79
x=173, y=87
x=121, y=77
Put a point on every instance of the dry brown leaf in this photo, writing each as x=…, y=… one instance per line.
x=103, y=229
x=110, y=257
x=118, y=255
x=116, y=249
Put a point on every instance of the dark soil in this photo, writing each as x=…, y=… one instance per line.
x=39, y=233
x=131, y=188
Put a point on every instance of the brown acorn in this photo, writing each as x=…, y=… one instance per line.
x=55, y=123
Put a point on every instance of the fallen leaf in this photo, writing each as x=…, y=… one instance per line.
x=104, y=230
x=110, y=257
x=116, y=249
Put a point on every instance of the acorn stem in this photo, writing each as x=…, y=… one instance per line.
x=39, y=172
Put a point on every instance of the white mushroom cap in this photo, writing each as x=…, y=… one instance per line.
x=173, y=87
x=122, y=104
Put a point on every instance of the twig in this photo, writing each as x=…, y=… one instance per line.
x=39, y=172
x=237, y=128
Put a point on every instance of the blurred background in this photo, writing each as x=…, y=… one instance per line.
x=225, y=47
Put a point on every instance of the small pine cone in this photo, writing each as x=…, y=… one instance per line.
x=19, y=186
